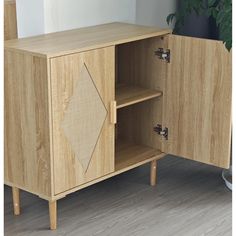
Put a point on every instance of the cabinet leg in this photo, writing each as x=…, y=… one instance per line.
x=153, y=173
x=53, y=214
x=16, y=200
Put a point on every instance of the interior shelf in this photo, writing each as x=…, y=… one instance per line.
x=128, y=95
x=130, y=155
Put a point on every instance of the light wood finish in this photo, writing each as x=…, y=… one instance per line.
x=113, y=112
x=61, y=111
x=53, y=214
x=65, y=75
x=27, y=140
x=129, y=154
x=84, y=117
x=145, y=155
x=16, y=200
x=10, y=22
x=42, y=196
x=198, y=100
x=10, y=32
x=153, y=173
x=190, y=199
x=139, y=67
x=127, y=95
x=79, y=40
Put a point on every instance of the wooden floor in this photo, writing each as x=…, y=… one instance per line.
x=190, y=200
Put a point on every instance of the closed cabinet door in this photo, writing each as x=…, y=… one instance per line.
x=82, y=90
x=197, y=100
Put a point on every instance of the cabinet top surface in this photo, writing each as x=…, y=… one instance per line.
x=83, y=39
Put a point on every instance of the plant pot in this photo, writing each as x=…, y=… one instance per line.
x=199, y=26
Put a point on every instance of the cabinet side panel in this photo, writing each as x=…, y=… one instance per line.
x=27, y=142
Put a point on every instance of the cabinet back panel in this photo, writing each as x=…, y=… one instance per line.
x=197, y=107
x=83, y=137
x=139, y=66
x=27, y=137
x=136, y=123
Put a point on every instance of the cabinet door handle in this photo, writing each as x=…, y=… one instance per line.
x=113, y=113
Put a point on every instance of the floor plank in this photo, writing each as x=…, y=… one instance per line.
x=189, y=200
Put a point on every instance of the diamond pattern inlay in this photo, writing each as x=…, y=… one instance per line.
x=84, y=118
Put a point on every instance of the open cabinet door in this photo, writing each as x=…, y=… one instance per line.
x=197, y=100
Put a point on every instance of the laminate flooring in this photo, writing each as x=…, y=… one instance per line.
x=189, y=200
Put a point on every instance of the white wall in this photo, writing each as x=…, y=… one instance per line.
x=30, y=17
x=154, y=12
x=69, y=14
x=45, y=16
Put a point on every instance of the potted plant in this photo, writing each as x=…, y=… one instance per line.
x=218, y=11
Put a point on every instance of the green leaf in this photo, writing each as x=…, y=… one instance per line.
x=211, y=2
x=170, y=18
x=220, y=10
x=228, y=45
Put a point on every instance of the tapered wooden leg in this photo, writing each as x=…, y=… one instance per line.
x=153, y=173
x=16, y=200
x=53, y=214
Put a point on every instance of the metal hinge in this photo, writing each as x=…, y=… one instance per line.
x=162, y=132
x=163, y=54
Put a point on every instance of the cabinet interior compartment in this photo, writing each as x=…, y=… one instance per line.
x=137, y=72
x=139, y=90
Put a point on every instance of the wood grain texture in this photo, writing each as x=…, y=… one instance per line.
x=198, y=100
x=10, y=21
x=43, y=106
x=129, y=154
x=26, y=128
x=153, y=173
x=65, y=74
x=138, y=66
x=113, y=112
x=128, y=157
x=129, y=95
x=16, y=200
x=78, y=40
x=53, y=214
x=190, y=199
x=84, y=118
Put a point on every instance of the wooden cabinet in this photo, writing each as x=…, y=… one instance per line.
x=84, y=105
